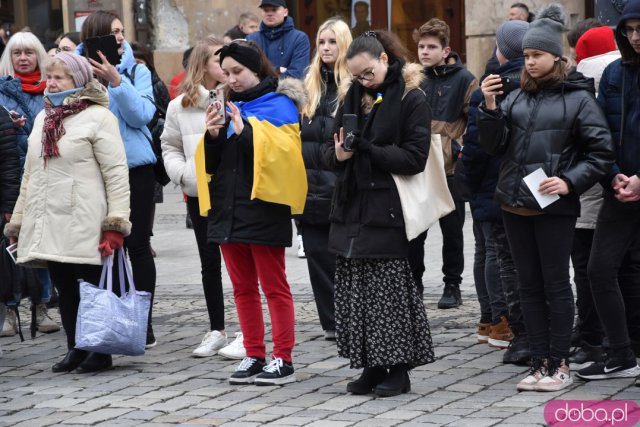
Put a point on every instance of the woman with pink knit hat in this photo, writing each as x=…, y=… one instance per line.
x=73, y=206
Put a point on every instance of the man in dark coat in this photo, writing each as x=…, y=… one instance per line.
x=287, y=48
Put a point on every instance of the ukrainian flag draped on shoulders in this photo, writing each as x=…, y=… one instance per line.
x=279, y=175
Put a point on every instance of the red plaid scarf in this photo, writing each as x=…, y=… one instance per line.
x=53, y=128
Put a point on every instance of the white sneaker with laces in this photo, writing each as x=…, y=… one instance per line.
x=10, y=325
x=235, y=350
x=537, y=371
x=557, y=380
x=211, y=343
x=44, y=321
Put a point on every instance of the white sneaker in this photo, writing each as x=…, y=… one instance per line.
x=211, y=343
x=301, y=253
x=235, y=350
x=10, y=326
x=537, y=371
x=44, y=322
x=557, y=378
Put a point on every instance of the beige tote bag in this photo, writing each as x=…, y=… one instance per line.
x=425, y=197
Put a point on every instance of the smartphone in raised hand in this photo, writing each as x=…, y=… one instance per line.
x=216, y=100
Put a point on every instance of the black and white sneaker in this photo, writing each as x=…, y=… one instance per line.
x=622, y=365
x=247, y=371
x=277, y=372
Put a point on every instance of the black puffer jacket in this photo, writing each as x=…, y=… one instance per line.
x=368, y=223
x=315, y=133
x=560, y=129
x=9, y=164
x=234, y=217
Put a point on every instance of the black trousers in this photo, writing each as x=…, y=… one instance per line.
x=588, y=320
x=452, y=247
x=541, y=247
x=138, y=244
x=508, y=278
x=210, y=262
x=322, y=271
x=65, y=278
x=614, y=271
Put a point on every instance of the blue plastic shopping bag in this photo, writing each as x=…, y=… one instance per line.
x=110, y=324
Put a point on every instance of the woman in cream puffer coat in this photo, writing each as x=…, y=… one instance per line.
x=73, y=205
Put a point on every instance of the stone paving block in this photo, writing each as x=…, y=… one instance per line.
x=62, y=402
x=465, y=388
x=25, y=415
x=291, y=421
x=259, y=417
x=436, y=419
x=398, y=414
x=209, y=392
x=241, y=424
x=348, y=416
x=475, y=422
x=177, y=403
x=377, y=422
x=342, y=403
x=138, y=403
x=329, y=423
x=98, y=416
x=142, y=415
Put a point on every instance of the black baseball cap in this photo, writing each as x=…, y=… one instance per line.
x=276, y=3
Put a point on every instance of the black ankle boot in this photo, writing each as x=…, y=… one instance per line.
x=397, y=382
x=95, y=362
x=71, y=361
x=370, y=378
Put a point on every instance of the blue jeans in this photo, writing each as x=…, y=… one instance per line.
x=45, y=291
x=486, y=275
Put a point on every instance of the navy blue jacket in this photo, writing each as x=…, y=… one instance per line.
x=482, y=169
x=28, y=105
x=619, y=97
x=285, y=47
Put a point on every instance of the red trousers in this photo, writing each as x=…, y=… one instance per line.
x=247, y=265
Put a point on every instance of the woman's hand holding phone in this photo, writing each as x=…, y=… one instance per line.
x=491, y=86
x=212, y=122
x=105, y=70
x=338, y=140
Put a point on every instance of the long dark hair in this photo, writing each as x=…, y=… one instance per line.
x=378, y=41
x=97, y=24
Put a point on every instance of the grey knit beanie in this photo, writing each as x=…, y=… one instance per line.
x=81, y=71
x=545, y=33
x=509, y=38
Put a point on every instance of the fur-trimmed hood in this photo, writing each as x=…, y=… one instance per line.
x=294, y=90
x=94, y=92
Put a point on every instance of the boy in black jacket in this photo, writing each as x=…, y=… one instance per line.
x=448, y=87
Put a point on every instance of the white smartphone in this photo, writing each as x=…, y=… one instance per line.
x=216, y=100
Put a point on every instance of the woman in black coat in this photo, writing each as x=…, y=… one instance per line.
x=381, y=322
x=552, y=123
x=325, y=75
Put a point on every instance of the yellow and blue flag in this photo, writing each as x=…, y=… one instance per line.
x=279, y=175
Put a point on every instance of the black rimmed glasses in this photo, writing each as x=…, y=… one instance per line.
x=627, y=30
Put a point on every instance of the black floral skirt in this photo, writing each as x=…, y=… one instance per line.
x=380, y=319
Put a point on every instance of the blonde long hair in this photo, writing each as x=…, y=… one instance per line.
x=196, y=69
x=313, y=82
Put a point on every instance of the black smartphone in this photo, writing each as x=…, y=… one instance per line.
x=350, y=127
x=108, y=45
x=505, y=81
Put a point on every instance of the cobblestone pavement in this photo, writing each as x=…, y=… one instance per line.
x=467, y=386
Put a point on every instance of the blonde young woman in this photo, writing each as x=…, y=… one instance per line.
x=322, y=82
x=183, y=128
